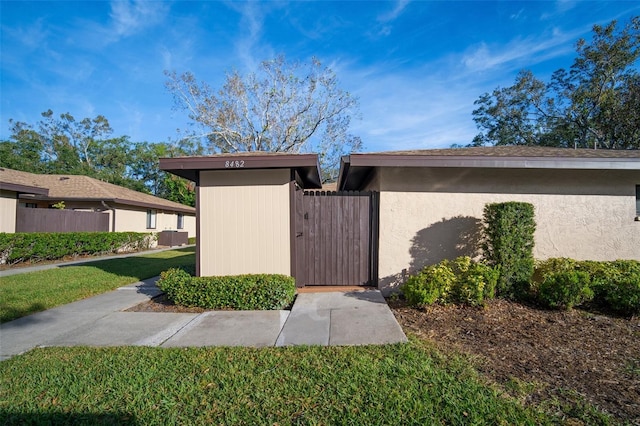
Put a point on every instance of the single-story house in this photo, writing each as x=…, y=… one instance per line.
x=395, y=212
x=99, y=206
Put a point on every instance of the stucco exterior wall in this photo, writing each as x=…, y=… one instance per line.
x=8, y=206
x=427, y=215
x=132, y=220
x=244, y=222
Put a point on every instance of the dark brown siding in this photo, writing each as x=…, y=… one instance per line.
x=54, y=220
x=336, y=238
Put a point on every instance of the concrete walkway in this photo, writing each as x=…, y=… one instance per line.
x=336, y=318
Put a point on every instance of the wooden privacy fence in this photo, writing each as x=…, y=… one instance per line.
x=55, y=220
x=336, y=238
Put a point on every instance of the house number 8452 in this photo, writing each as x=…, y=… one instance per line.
x=236, y=163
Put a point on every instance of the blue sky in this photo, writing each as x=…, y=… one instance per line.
x=416, y=66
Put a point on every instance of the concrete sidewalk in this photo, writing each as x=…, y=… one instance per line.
x=336, y=318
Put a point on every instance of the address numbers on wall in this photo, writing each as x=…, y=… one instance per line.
x=234, y=164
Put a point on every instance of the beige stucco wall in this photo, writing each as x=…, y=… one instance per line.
x=132, y=220
x=8, y=205
x=427, y=215
x=244, y=222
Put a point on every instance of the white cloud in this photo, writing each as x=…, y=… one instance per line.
x=384, y=27
x=397, y=10
x=408, y=110
x=129, y=17
x=33, y=37
x=520, y=52
x=249, y=47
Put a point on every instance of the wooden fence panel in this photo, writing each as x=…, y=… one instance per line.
x=55, y=220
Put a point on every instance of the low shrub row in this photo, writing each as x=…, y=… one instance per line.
x=564, y=283
x=39, y=246
x=242, y=292
x=459, y=281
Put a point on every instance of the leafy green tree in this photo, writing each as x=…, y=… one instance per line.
x=24, y=149
x=63, y=145
x=69, y=142
x=144, y=167
x=283, y=107
x=594, y=104
x=177, y=189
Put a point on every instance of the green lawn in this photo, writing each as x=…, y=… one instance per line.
x=31, y=292
x=394, y=384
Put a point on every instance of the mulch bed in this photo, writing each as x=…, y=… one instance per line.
x=163, y=304
x=562, y=352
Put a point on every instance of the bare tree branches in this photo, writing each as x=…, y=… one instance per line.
x=282, y=107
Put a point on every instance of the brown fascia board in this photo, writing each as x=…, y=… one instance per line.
x=25, y=189
x=392, y=160
x=306, y=165
x=354, y=166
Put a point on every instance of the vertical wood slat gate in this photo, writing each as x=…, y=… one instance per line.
x=336, y=237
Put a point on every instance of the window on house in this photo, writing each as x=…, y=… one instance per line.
x=151, y=219
x=180, y=221
x=31, y=205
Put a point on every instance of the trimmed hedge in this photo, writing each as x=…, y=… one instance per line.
x=508, y=245
x=564, y=283
x=459, y=281
x=242, y=292
x=38, y=246
x=565, y=289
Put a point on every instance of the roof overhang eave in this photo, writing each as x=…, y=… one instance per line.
x=306, y=165
x=120, y=201
x=356, y=167
x=23, y=189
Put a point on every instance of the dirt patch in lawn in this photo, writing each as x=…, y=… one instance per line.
x=570, y=357
x=163, y=304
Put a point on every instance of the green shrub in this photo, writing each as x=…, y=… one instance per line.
x=474, y=282
x=459, y=281
x=39, y=246
x=191, y=240
x=616, y=285
x=432, y=284
x=242, y=292
x=565, y=289
x=612, y=285
x=623, y=294
x=508, y=244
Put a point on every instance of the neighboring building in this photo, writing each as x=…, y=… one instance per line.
x=10, y=191
x=587, y=202
x=417, y=208
x=117, y=209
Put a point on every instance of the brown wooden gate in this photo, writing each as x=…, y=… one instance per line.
x=336, y=238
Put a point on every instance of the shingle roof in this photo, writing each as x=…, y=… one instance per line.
x=76, y=187
x=14, y=180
